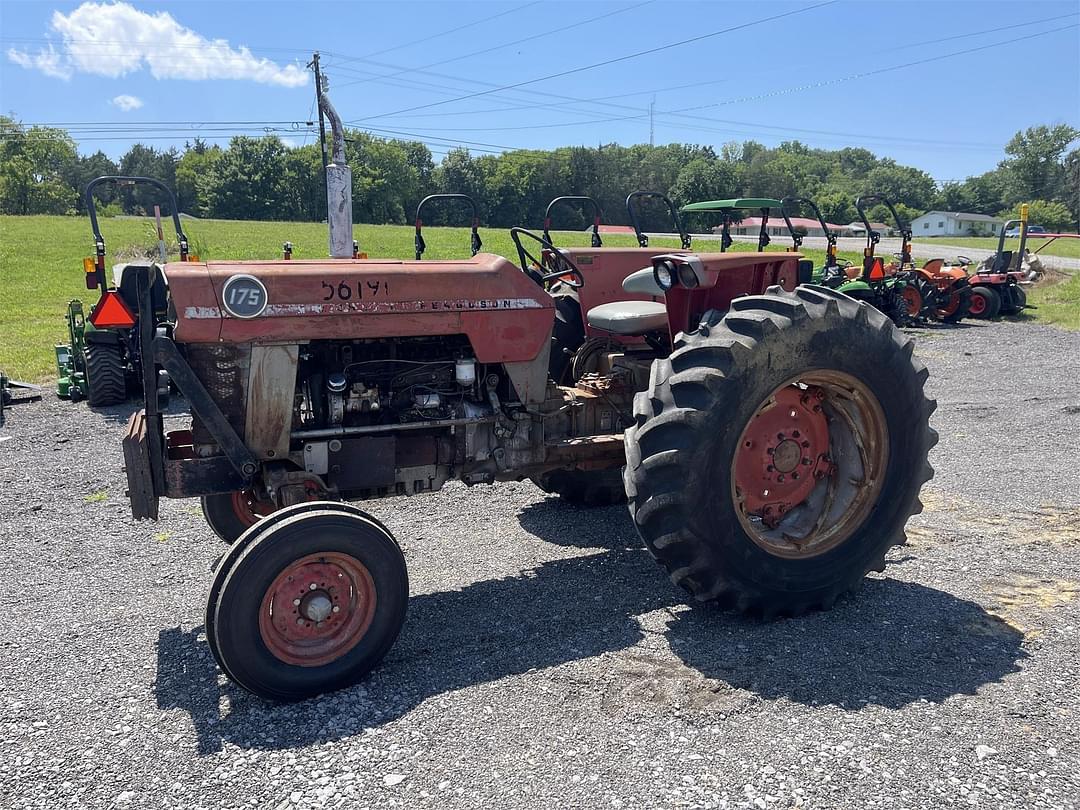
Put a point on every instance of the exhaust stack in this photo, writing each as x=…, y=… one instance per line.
x=338, y=187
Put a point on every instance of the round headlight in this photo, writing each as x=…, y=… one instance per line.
x=663, y=276
x=687, y=276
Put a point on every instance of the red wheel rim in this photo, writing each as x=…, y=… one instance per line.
x=810, y=464
x=317, y=609
x=978, y=304
x=784, y=450
x=951, y=306
x=249, y=508
x=913, y=300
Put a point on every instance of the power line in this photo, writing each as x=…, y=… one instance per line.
x=681, y=112
x=598, y=100
x=914, y=63
x=606, y=62
x=541, y=35
x=439, y=34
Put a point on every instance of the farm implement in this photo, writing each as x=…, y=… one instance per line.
x=13, y=392
x=102, y=361
x=767, y=466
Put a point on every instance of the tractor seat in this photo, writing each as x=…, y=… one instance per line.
x=632, y=317
x=629, y=317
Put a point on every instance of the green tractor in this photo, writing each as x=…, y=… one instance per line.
x=101, y=362
x=887, y=292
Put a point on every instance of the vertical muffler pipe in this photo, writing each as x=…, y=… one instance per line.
x=338, y=188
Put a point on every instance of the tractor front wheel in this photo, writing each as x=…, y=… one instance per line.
x=310, y=604
x=106, y=378
x=230, y=514
x=985, y=303
x=770, y=467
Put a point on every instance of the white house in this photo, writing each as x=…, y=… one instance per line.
x=955, y=223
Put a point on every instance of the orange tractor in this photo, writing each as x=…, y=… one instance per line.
x=936, y=290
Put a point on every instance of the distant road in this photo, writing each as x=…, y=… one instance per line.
x=888, y=245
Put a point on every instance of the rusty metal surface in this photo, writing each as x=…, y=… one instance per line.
x=224, y=371
x=729, y=276
x=271, y=387
x=505, y=315
x=604, y=270
x=193, y=477
x=140, y=480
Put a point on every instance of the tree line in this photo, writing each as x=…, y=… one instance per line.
x=262, y=178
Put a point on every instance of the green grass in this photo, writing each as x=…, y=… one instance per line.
x=41, y=265
x=1058, y=304
x=1068, y=248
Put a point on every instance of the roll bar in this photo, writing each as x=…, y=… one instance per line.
x=474, y=237
x=872, y=236
x=98, y=277
x=595, y=239
x=643, y=240
x=830, y=236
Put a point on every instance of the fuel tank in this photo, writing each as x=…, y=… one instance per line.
x=506, y=316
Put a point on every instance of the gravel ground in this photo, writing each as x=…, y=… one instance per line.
x=546, y=662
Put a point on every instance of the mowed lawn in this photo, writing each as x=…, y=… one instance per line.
x=41, y=266
x=1068, y=248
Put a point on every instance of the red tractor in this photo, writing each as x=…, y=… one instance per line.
x=768, y=465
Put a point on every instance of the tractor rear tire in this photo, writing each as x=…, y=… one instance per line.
x=310, y=604
x=106, y=378
x=230, y=514
x=1021, y=302
x=584, y=487
x=955, y=304
x=985, y=303
x=685, y=454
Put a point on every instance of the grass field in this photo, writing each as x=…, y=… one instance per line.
x=41, y=267
x=1069, y=248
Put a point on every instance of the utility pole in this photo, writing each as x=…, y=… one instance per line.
x=652, y=129
x=314, y=65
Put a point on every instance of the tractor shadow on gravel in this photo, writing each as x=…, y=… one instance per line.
x=892, y=644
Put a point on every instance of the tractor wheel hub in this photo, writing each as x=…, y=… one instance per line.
x=783, y=453
x=316, y=606
x=787, y=455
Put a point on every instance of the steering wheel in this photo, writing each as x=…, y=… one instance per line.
x=964, y=260
x=530, y=264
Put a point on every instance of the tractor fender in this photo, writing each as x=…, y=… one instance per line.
x=854, y=286
x=92, y=335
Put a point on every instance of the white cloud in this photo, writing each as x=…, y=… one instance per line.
x=47, y=60
x=127, y=103
x=116, y=39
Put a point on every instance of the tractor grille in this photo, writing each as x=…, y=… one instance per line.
x=223, y=370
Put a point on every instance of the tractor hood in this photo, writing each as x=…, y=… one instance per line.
x=506, y=316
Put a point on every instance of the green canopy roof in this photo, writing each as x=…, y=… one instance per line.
x=727, y=205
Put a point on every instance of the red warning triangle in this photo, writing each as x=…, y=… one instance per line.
x=111, y=311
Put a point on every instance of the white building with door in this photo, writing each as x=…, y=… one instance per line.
x=955, y=223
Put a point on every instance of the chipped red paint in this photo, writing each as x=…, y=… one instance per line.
x=604, y=270
x=505, y=315
x=783, y=455
x=729, y=276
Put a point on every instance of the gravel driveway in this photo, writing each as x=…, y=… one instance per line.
x=546, y=662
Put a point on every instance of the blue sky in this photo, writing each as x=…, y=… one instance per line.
x=903, y=79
